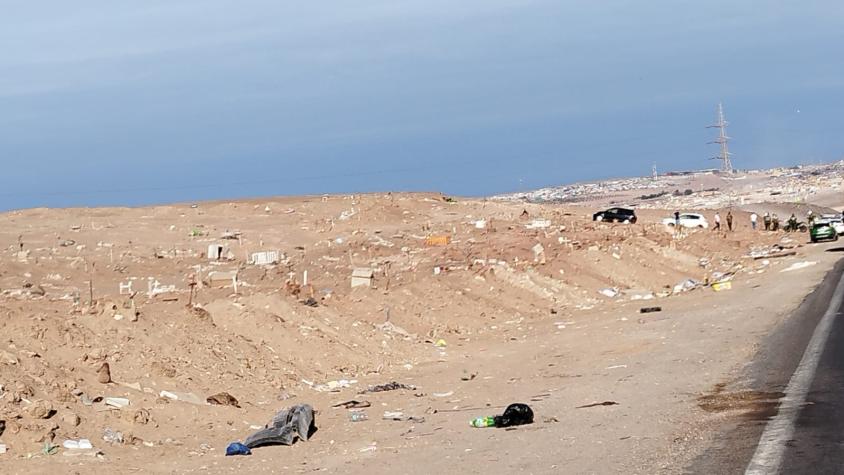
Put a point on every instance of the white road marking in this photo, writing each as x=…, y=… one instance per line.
x=769, y=453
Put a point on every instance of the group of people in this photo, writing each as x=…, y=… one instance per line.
x=770, y=221
x=717, y=226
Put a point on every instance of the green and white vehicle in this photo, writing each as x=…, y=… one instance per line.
x=823, y=231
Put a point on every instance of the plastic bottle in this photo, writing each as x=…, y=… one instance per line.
x=357, y=416
x=483, y=422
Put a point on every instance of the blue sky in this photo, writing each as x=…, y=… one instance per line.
x=157, y=101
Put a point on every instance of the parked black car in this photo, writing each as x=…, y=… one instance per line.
x=620, y=215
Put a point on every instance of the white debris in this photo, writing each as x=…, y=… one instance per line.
x=608, y=292
x=118, y=402
x=81, y=444
x=539, y=224
x=686, y=285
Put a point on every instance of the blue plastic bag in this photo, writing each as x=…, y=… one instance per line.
x=236, y=448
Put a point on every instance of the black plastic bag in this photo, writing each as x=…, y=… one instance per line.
x=515, y=415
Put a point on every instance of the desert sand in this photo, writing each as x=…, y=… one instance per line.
x=472, y=305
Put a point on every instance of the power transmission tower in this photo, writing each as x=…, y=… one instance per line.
x=726, y=165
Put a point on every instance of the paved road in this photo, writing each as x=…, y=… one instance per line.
x=817, y=444
x=806, y=434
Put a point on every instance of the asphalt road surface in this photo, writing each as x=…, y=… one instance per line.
x=804, y=431
x=817, y=443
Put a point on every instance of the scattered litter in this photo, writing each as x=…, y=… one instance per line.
x=723, y=285
x=370, y=448
x=49, y=448
x=387, y=387
x=773, y=251
x=596, y=404
x=450, y=393
x=184, y=397
x=86, y=400
x=310, y=302
x=616, y=366
x=353, y=404
x=440, y=343
x=608, y=292
x=332, y=385
x=686, y=285
x=222, y=399
x=112, y=436
x=358, y=416
x=285, y=428
x=236, y=448
x=81, y=444
x=642, y=296
x=118, y=402
x=515, y=415
x=3, y=448
x=799, y=265
x=400, y=416
x=650, y=309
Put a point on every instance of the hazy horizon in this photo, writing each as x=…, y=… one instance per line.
x=159, y=102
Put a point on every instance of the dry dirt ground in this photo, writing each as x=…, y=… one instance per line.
x=474, y=320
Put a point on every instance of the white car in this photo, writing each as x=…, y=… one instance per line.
x=688, y=220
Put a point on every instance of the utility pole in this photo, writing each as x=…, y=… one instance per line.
x=726, y=165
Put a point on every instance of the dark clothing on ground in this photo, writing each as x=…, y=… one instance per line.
x=286, y=426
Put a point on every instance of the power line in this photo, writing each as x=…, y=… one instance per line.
x=726, y=165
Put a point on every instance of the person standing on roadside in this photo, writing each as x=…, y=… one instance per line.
x=775, y=222
x=717, y=222
x=767, y=220
x=730, y=220
x=753, y=219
